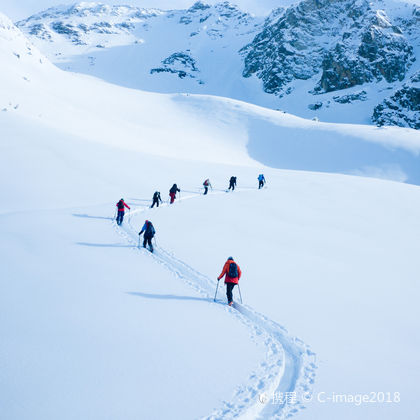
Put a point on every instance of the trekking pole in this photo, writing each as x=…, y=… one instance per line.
x=216, y=290
x=240, y=294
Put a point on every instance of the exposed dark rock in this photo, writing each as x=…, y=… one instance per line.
x=347, y=99
x=363, y=46
x=402, y=108
x=178, y=63
x=315, y=106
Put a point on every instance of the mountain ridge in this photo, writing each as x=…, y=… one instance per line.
x=336, y=60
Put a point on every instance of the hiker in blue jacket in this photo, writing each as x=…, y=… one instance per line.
x=261, y=181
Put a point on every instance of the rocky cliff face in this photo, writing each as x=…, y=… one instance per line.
x=402, y=108
x=345, y=42
x=330, y=53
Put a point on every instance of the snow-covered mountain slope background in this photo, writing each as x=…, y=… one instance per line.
x=93, y=327
x=352, y=61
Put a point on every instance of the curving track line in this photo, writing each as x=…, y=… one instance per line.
x=289, y=369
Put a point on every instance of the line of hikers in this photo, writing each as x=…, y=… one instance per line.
x=231, y=270
x=157, y=199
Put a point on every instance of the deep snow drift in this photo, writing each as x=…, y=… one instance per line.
x=93, y=327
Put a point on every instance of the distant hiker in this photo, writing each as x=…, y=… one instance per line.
x=233, y=273
x=120, y=216
x=232, y=183
x=149, y=233
x=261, y=181
x=206, y=185
x=172, y=192
x=156, y=199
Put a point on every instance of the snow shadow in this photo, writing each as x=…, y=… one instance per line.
x=88, y=216
x=104, y=245
x=193, y=192
x=320, y=150
x=168, y=297
x=144, y=200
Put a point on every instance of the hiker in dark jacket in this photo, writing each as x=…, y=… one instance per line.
x=156, y=199
x=207, y=185
x=172, y=192
x=149, y=233
x=232, y=182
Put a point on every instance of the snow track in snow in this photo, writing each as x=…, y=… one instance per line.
x=287, y=372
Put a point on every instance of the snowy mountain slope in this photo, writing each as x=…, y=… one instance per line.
x=95, y=328
x=70, y=321
x=202, y=127
x=154, y=50
x=332, y=59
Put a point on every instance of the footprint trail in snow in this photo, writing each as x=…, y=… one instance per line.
x=278, y=387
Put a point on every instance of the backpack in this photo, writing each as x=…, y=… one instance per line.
x=206, y=183
x=150, y=230
x=120, y=205
x=233, y=270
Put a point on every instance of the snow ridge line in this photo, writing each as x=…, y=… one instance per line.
x=290, y=365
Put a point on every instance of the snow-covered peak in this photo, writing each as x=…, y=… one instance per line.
x=101, y=25
x=86, y=9
x=297, y=59
x=198, y=7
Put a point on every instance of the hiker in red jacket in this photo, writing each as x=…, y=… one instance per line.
x=233, y=273
x=173, y=191
x=120, y=216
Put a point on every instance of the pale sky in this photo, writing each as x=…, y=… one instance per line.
x=20, y=9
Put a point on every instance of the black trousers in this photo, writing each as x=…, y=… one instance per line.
x=229, y=289
x=155, y=202
x=206, y=190
x=120, y=217
x=148, y=241
x=261, y=184
x=232, y=186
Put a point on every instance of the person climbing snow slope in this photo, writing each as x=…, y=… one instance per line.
x=149, y=233
x=232, y=183
x=173, y=191
x=207, y=185
x=121, y=210
x=156, y=199
x=261, y=181
x=233, y=273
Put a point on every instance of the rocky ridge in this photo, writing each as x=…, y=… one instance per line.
x=337, y=48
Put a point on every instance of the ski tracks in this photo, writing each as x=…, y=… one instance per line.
x=289, y=367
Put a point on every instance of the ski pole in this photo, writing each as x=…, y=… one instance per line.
x=240, y=294
x=216, y=290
